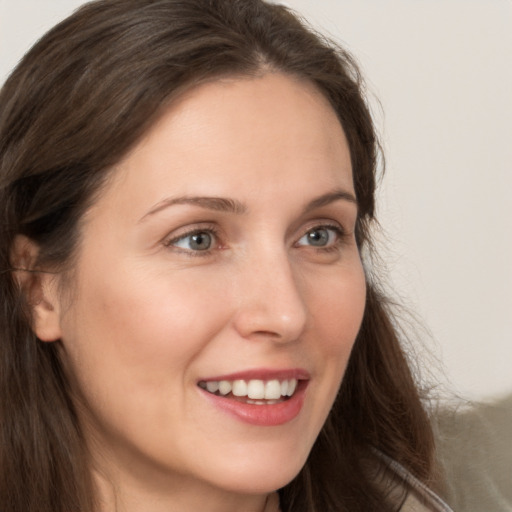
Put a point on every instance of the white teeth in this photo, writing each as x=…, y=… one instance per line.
x=239, y=388
x=255, y=389
x=292, y=385
x=272, y=390
x=212, y=386
x=224, y=387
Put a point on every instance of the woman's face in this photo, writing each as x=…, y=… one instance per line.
x=221, y=254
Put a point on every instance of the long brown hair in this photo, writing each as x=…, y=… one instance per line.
x=76, y=103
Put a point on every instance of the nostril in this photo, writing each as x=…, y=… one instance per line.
x=269, y=334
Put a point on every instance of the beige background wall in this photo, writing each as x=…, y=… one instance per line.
x=442, y=71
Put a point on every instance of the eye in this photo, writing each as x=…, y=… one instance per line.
x=194, y=241
x=321, y=236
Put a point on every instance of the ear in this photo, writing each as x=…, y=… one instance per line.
x=39, y=288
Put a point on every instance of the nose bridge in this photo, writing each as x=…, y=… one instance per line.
x=271, y=297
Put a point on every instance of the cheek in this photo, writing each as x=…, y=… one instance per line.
x=336, y=302
x=139, y=330
x=130, y=348
x=337, y=306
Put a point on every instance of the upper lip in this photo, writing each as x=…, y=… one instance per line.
x=263, y=374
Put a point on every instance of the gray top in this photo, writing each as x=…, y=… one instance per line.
x=419, y=497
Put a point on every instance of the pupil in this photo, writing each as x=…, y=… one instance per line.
x=200, y=241
x=319, y=237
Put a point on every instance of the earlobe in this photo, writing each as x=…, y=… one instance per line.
x=39, y=289
x=46, y=312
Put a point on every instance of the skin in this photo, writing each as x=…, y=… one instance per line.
x=150, y=316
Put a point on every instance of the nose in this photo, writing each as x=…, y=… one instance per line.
x=271, y=303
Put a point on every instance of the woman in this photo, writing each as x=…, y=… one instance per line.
x=187, y=189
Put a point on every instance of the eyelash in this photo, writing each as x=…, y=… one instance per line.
x=340, y=234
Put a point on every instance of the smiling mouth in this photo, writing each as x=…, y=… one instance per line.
x=254, y=391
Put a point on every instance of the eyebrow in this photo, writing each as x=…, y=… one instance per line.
x=222, y=204
x=330, y=197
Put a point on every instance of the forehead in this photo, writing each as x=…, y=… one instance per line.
x=275, y=131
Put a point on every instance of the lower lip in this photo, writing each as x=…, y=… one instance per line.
x=262, y=415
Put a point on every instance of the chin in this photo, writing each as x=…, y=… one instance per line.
x=259, y=475
x=259, y=482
